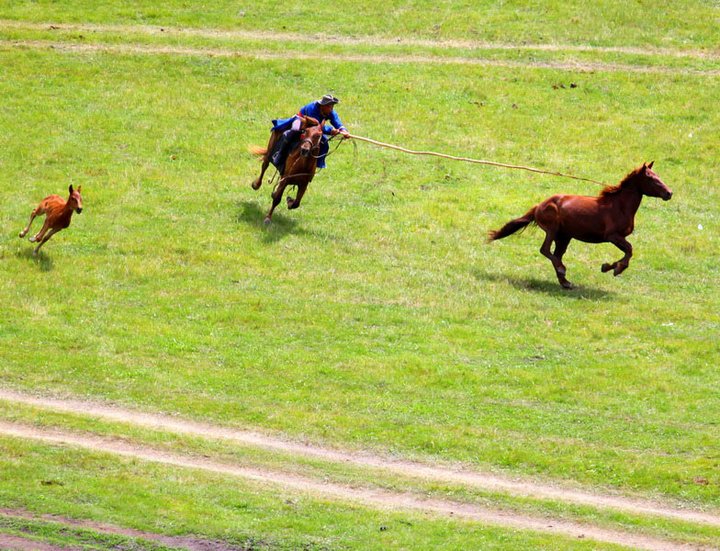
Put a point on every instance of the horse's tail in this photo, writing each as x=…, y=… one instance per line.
x=513, y=226
x=257, y=150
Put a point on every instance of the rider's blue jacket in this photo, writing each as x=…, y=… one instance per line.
x=313, y=110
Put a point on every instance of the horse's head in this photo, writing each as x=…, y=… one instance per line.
x=650, y=183
x=75, y=199
x=310, y=140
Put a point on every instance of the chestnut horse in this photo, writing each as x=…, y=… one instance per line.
x=300, y=165
x=609, y=217
x=58, y=213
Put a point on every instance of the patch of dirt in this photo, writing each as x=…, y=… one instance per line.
x=374, y=498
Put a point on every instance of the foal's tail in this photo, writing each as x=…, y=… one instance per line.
x=257, y=150
x=513, y=226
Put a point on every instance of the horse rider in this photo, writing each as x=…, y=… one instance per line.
x=321, y=110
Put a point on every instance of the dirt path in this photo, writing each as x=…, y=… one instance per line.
x=265, y=36
x=17, y=543
x=483, y=481
x=374, y=498
x=146, y=49
x=190, y=543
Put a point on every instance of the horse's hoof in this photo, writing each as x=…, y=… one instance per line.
x=32, y=240
x=606, y=267
x=21, y=235
x=567, y=285
x=256, y=185
x=267, y=221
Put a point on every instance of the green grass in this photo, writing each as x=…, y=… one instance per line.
x=680, y=24
x=671, y=62
x=332, y=472
x=376, y=316
x=57, y=533
x=379, y=300
x=181, y=502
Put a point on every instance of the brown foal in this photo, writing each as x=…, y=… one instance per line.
x=58, y=213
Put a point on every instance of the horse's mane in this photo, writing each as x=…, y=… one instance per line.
x=310, y=122
x=609, y=191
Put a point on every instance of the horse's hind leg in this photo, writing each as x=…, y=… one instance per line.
x=276, y=197
x=621, y=265
x=561, y=244
x=45, y=239
x=34, y=213
x=294, y=203
x=39, y=235
x=266, y=160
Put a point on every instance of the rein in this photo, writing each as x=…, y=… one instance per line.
x=281, y=180
x=330, y=152
x=470, y=160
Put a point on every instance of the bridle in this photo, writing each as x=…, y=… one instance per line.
x=314, y=148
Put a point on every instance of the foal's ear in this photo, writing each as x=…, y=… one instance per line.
x=650, y=165
x=80, y=188
x=70, y=189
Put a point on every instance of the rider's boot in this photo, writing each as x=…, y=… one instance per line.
x=283, y=149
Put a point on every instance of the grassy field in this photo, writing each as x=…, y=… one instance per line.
x=681, y=24
x=376, y=316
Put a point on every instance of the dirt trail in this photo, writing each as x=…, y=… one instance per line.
x=439, y=473
x=190, y=543
x=239, y=34
x=145, y=49
x=17, y=543
x=375, y=498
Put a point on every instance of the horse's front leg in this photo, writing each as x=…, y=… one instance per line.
x=276, y=197
x=621, y=265
x=556, y=262
x=294, y=203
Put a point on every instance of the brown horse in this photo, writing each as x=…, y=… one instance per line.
x=58, y=213
x=300, y=165
x=608, y=217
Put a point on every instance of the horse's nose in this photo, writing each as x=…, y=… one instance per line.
x=668, y=195
x=78, y=210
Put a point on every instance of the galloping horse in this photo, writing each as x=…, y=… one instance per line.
x=299, y=168
x=58, y=213
x=609, y=217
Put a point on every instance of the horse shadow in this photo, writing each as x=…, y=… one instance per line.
x=250, y=213
x=43, y=261
x=579, y=292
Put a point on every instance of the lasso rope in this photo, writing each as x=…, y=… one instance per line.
x=469, y=160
